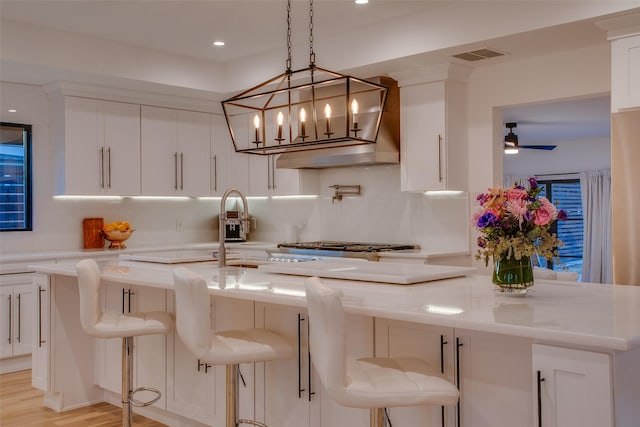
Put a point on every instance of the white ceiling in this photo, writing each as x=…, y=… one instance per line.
x=249, y=28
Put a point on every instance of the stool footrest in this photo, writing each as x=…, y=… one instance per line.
x=252, y=422
x=140, y=403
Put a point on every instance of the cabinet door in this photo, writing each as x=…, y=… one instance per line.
x=229, y=169
x=285, y=392
x=6, y=321
x=83, y=146
x=121, y=148
x=159, y=157
x=23, y=325
x=423, y=129
x=625, y=84
x=574, y=387
x=495, y=387
x=194, y=151
x=40, y=354
x=433, y=344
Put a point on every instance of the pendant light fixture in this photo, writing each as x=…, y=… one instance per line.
x=310, y=108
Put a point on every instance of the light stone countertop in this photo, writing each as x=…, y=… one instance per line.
x=594, y=316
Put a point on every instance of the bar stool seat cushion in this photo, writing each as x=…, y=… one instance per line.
x=399, y=381
x=107, y=324
x=231, y=347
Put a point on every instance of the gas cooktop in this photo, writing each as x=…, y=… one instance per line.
x=325, y=245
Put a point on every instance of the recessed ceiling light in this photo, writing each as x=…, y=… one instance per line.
x=362, y=1
x=218, y=43
x=12, y=110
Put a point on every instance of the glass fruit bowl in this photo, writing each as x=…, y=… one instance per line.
x=117, y=237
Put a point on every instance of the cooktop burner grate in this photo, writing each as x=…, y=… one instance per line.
x=348, y=246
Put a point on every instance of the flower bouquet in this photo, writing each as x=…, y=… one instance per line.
x=514, y=225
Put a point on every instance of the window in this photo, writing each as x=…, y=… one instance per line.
x=15, y=177
x=566, y=195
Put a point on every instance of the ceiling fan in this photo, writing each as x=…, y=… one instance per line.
x=511, y=145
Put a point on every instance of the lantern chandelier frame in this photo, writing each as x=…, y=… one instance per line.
x=305, y=109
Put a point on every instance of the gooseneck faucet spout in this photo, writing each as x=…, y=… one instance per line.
x=222, y=253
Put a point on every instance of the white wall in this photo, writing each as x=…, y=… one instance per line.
x=572, y=74
x=382, y=213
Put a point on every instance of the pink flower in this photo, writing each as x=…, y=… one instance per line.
x=546, y=213
x=517, y=208
x=516, y=194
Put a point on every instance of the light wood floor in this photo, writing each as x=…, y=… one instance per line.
x=21, y=406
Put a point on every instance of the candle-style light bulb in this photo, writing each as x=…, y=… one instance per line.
x=327, y=114
x=303, y=119
x=354, y=113
x=280, y=119
x=256, y=124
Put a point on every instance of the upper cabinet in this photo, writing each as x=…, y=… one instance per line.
x=96, y=146
x=266, y=180
x=176, y=148
x=228, y=168
x=433, y=128
x=625, y=73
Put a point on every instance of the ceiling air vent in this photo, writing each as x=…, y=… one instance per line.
x=477, y=55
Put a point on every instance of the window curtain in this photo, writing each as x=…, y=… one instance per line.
x=508, y=180
x=596, y=204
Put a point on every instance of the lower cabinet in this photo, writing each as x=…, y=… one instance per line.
x=289, y=393
x=17, y=302
x=572, y=388
x=490, y=370
x=149, y=366
x=195, y=389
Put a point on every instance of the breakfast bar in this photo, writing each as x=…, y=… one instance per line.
x=570, y=351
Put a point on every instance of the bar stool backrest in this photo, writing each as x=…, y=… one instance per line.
x=193, y=311
x=89, y=290
x=327, y=335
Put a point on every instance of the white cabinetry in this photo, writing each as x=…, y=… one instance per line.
x=625, y=73
x=17, y=302
x=96, y=146
x=572, y=388
x=195, y=389
x=176, y=147
x=266, y=180
x=149, y=350
x=228, y=168
x=433, y=128
x=488, y=369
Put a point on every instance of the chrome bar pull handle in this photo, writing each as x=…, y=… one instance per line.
x=181, y=171
x=309, y=392
x=19, y=316
x=109, y=168
x=540, y=380
x=440, y=178
x=10, y=316
x=101, y=167
x=175, y=171
x=40, y=341
x=300, y=389
x=215, y=173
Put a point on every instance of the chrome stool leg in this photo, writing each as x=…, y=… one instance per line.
x=377, y=417
x=127, y=377
x=233, y=414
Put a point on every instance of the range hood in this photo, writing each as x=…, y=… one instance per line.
x=386, y=149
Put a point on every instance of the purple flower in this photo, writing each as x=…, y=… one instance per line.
x=528, y=216
x=562, y=215
x=482, y=242
x=533, y=183
x=487, y=220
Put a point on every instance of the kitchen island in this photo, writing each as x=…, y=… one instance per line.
x=583, y=339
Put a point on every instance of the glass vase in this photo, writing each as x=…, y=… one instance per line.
x=513, y=276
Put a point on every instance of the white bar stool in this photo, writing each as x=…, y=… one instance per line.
x=230, y=348
x=101, y=324
x=375, y=383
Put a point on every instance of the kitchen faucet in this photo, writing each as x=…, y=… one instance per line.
x=222, y=254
